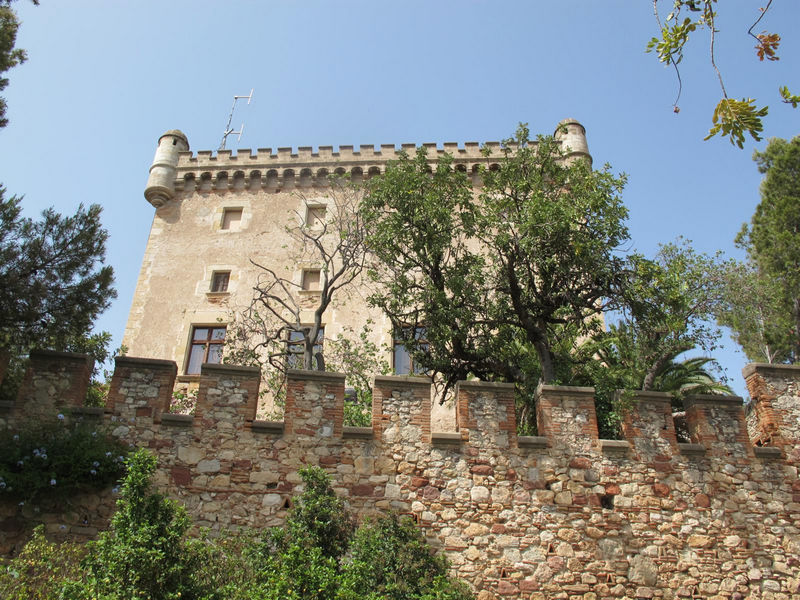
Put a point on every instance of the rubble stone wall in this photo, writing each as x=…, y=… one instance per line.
x=562, y=515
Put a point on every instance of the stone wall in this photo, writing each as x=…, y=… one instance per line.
x=563, y=515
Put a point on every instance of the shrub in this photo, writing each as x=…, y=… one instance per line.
x=143, y=555
x=40, y=569
x=390, y=560
x=57, y=458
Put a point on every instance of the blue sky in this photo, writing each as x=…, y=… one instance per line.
x=105, y=79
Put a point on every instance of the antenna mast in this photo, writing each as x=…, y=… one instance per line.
x=228, y=130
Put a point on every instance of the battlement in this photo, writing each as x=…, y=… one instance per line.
x=282, y=168
x=516, y=514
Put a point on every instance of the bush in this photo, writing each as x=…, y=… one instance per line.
x=57, y=458
x=40, y=569
x=390, y=560
x=143, y=555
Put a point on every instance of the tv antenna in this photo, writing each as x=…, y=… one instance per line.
x=228, y=130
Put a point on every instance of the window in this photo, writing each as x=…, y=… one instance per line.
x=206, y=347
x=315, y=216
x=231, y=218
x=295, y=346
x=219, y=281
x=311, y=278
x=402, y=360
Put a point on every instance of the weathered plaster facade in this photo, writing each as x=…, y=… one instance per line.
x=564, y=515
x=188, y=243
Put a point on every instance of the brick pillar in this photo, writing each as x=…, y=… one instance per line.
x=485, y=413
x=54, y=380
x=774, y=417
x=314, y=404
x=141, y=388
x=401, y=409
x=650, y=428
x=566, y=415
x=228, y=396
x=717, y=423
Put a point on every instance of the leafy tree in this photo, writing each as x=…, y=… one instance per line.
x=144, y=554
x=52, y=284
x=668, y=308
x=390, y=560
x=9, y=56
x=765, y=291
x=732, y=118
x=499, y=279
x=757, y=313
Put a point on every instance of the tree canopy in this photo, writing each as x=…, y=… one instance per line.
x=497, y=281
x=763, y=299
x=53, y=284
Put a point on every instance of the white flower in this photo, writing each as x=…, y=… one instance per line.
x=95, y=464
x=93, y=472
x=52, y=482
x=16, y=437
x=60, y=417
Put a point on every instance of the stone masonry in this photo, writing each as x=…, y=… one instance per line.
x=563, y=515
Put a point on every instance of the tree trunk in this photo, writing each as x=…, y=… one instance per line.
x=546, y=358
x=796, y=357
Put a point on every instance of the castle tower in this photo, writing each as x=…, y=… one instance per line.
x=573, y=140
x=161, y=182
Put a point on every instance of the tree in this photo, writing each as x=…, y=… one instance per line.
x=52, y=282
x=668, y=307
x=732, y=118
x=283, y=326
x=498, y=279
x=772, y=274
x=9, y=56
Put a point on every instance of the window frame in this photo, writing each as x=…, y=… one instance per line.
x=232, y=225
x=214, y=278
x=303, y=287
x=399, y=342
x=207, y=343
x=316, y=222
x=295, y=356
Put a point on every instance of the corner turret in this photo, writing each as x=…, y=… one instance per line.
x=573, y=140
x=161, y=183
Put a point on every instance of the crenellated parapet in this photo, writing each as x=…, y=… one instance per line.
x=176, y=169
x=519, y=516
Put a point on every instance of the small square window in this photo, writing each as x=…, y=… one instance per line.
x=311, y=278
x=219, y=281
x=315, y=216
x=231, y=218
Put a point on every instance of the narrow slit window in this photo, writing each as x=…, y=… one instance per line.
x=219, y=281
x=231, y=218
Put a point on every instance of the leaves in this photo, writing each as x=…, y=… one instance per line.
x=767, y=46
x=735, y=118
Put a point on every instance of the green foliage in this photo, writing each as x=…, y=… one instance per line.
x=734, y=118
x=764, y=291
x=667, y=307
x=144, y=554
x=313, y=557
x=57, y=458
x=9, y=56
x=52, y=283
x=497, y=281
x=390, y=560
x=360, y=359
x=39, y=571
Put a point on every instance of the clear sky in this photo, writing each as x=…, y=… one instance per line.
x=105, y=79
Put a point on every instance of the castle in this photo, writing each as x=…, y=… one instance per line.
x=560, y=515
x=216, y=214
